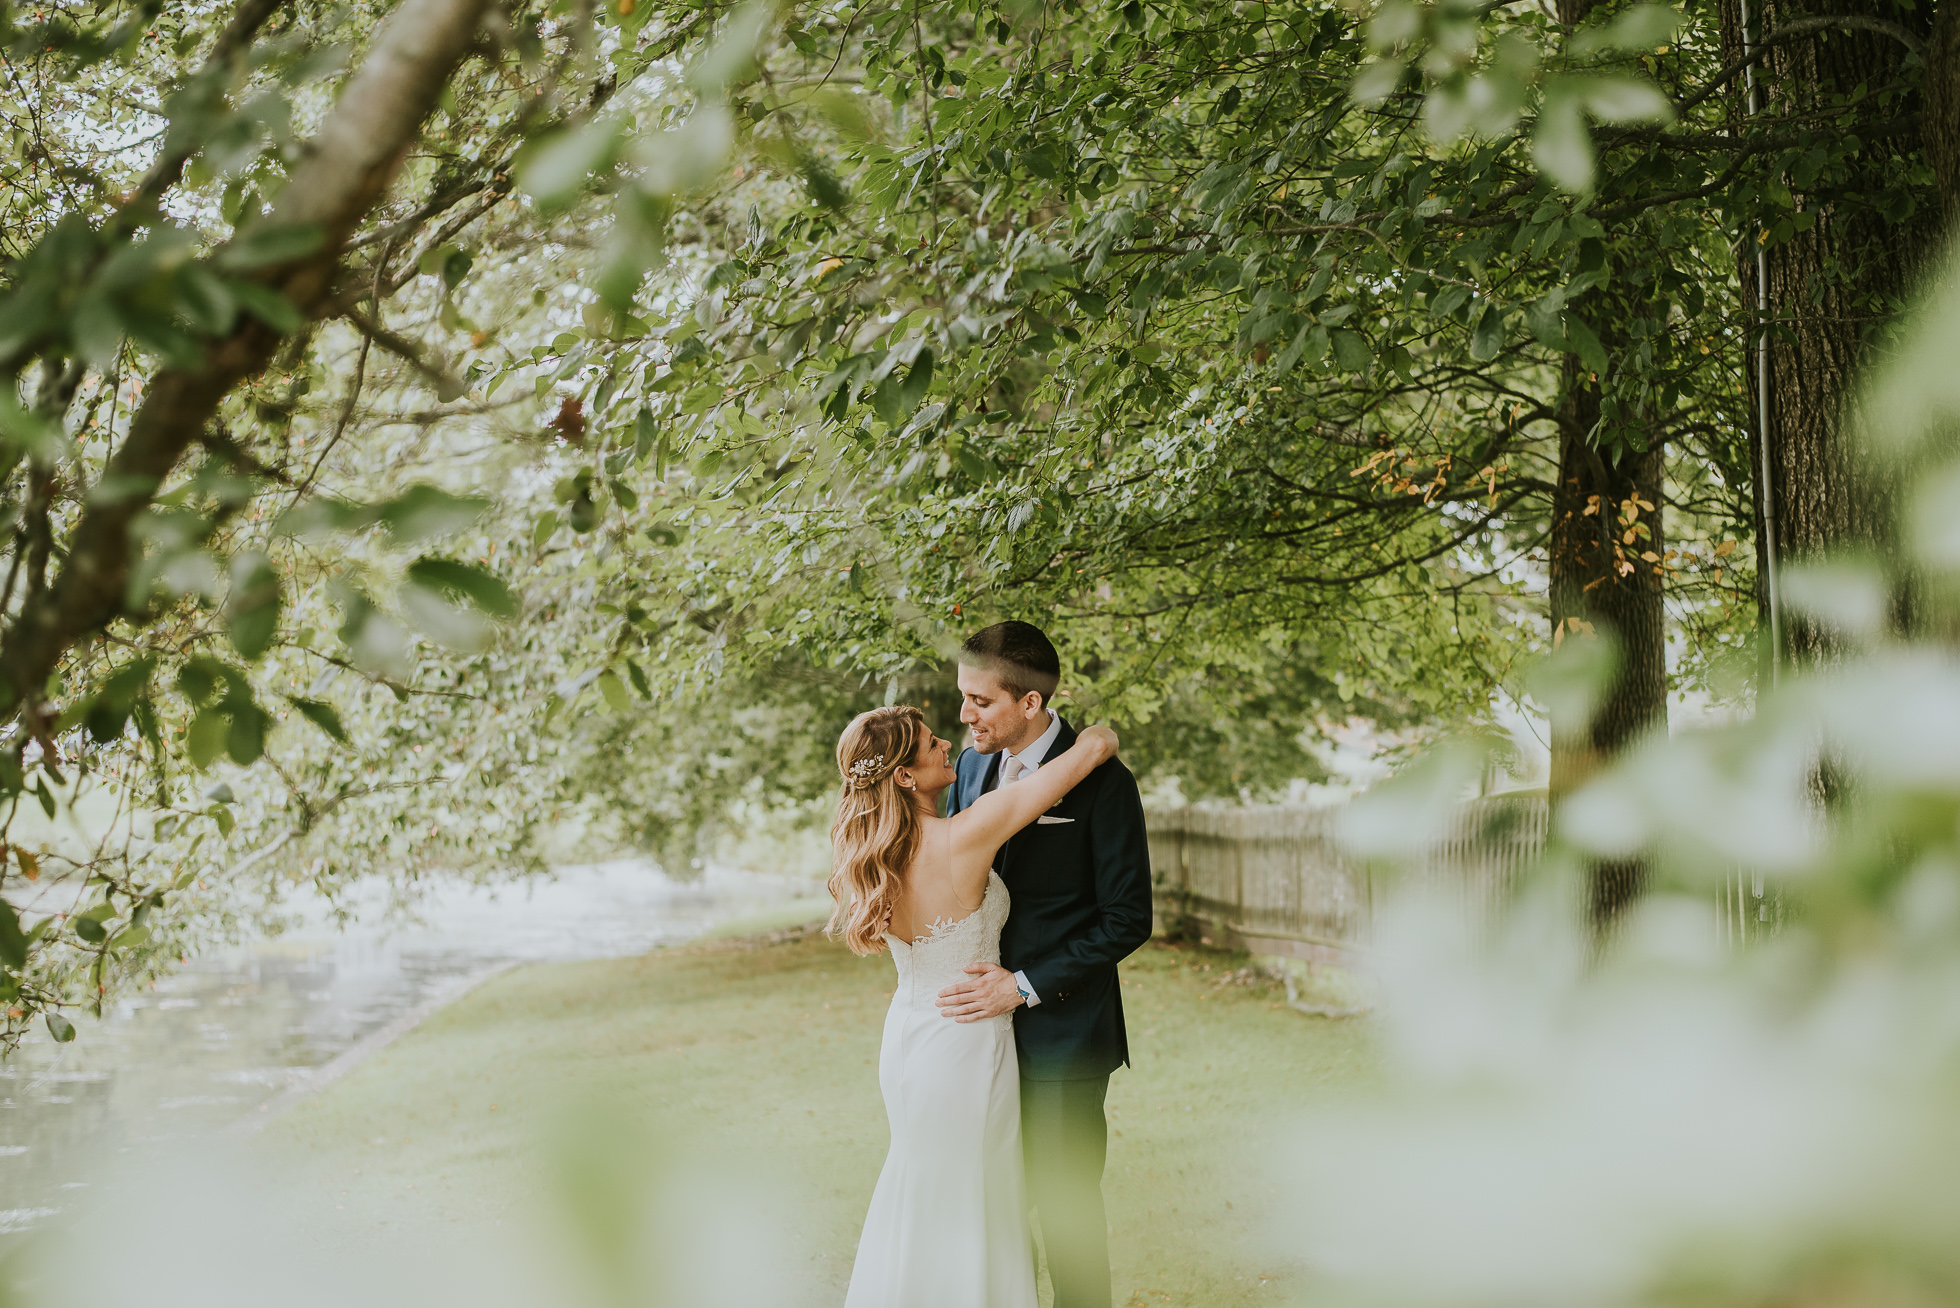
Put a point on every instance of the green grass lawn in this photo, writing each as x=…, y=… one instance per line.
x=769, y=1048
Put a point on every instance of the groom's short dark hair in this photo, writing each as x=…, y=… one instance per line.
x=1019, y=654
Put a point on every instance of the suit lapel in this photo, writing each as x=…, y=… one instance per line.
x=976, y=776
x=1008, y=852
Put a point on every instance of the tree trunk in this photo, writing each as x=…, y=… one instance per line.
x=1606, y=545
x=1606, y=585
x=1941, y=125
x=1832, y=287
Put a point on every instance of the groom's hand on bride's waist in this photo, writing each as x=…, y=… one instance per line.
x=989, y=992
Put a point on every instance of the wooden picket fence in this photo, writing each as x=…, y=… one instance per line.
x=1273, y=879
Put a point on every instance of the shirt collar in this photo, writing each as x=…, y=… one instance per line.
x=1032, y=756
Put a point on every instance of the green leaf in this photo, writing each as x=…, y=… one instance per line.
x=583, y=512
x=13, y=941
x=268, y=306
x=480, y=587
x=200, y=678
x=245, y=742
x=556, y=169
x=423, y=511
x=1561, y=146
x=1449, y=300
x=1351, y=351
x=89, y=929
x=888, y=400
x=1543, y=317
x=207, y=736
x=130, y=939
x=315, y=517
x=264, y=245
x=60, y=1028
x=1639, y=28
x=731, y=60
x=613, y=690
x=449, y=262
x=321, y=714
x=1377, y=81
x=1488, y=338
x=1314, y=348
x=1585, y=343
x=203, y=297
x=97, y=327
x=1626, y=100
x=918, y=380
x=253, y=605
x=110, y=707
x=645, y=434
x=28, y=432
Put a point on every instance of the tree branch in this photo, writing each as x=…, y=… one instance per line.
x=352, y=161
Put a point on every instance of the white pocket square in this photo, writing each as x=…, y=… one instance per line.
x=1044, y=820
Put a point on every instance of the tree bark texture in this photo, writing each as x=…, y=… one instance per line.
x=1834, y=286
x=1607, y=584
x=1941, y=125
x=346, y=172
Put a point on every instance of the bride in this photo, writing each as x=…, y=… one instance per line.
x=948, y=1222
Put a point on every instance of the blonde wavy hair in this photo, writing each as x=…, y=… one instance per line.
x=878, y=828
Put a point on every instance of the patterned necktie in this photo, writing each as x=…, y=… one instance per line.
x=1011, y=769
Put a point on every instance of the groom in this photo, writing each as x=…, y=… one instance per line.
x=1079, y=879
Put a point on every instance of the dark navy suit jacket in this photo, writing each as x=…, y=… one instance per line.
x=1081, y=904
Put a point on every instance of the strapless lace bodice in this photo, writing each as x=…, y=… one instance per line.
x=929, y=965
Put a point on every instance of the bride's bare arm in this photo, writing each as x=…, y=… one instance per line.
x=994, y=817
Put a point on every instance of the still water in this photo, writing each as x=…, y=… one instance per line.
x=212, y=1043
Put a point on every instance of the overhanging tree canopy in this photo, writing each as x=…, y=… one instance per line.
x=1280, y=358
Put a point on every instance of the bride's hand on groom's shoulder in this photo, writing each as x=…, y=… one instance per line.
x=1103, y=738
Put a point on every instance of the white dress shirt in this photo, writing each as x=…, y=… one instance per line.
x=1028, y=760
x=1031, y=757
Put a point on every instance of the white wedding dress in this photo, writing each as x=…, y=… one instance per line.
x=948, y=1225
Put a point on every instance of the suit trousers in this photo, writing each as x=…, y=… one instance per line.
x=1065, y=1140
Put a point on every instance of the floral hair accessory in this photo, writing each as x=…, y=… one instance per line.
x=865, y=770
